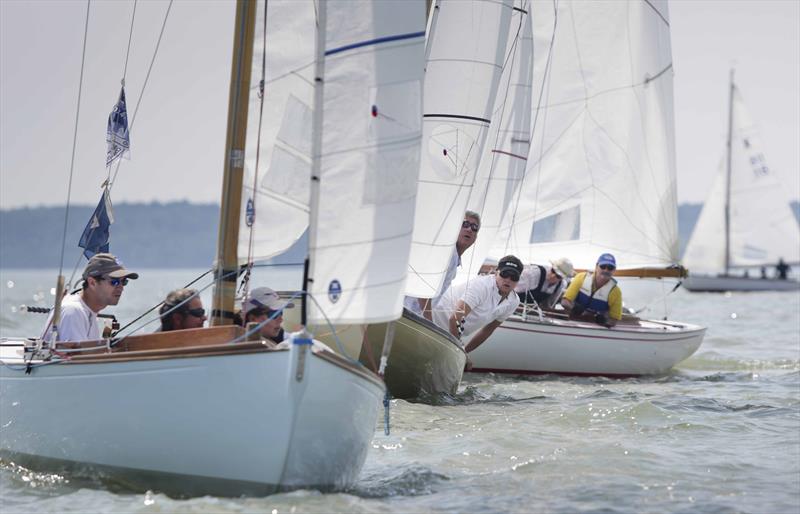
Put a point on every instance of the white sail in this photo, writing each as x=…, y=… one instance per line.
x=275, y=201
x=360, y=235
x=466, y=49
x=505, y=154
x=763, y=228
x=601, y=171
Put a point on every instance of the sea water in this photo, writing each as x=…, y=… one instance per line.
x=718, y=434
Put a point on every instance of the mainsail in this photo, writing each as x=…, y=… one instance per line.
x=763, y=228
x=466, y=48
x=601, y=171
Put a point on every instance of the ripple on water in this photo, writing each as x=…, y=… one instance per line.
x=409, y=481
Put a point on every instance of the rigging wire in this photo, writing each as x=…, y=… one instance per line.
x=130, y=37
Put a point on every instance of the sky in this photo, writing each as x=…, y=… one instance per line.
x=178, y=133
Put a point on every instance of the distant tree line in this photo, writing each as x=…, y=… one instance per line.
x=156, y=235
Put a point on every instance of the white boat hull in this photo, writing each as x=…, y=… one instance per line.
x=720, y=284
x=214, y=424
x=582, y=348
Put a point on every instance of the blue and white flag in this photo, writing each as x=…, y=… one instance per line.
x=117, y=136
x=95, y=236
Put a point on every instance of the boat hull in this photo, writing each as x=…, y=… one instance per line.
x=226, y=424
x=425, y=361
x=581, y=348
x=719, y=284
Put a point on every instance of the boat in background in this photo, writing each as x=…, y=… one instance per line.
x=746, y=222
x=208, y=411
x=600, y=177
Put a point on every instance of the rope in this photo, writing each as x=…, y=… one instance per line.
x=74, y=140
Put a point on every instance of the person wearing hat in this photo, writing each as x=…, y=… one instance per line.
x=263, y=305
x=466, y=238
x=104, y=280
x=544, y=285
x=182, y=309
x=596, y=293
x=474, y=309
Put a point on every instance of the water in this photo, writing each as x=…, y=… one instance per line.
x=719, y=434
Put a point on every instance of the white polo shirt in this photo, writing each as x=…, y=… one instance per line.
x=78, y=321
x=484, y=300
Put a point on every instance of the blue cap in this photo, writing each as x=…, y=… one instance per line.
x=607, y=258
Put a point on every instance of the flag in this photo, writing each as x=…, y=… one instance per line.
x=95, y=236
x=117, y=136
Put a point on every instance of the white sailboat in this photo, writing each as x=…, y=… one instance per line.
x=201, y=411
x=600, y=177
x=746, y=221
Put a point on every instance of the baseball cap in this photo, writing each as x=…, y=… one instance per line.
x=106, y=265
x=510, y=263
x=563, y=267
x=607, y=258
x=264, y=298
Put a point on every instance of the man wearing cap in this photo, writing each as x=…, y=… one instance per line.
x=477, y=307
x=182, y=309
x=263, y=305
x=466, y=238
x=596, y=293
x=544, y=285
x=104, y=279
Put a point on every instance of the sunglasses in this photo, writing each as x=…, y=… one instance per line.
x=555, y=273
x=512, y=274
x=116, y=281
x=469, y=224
x=607, y=267
x=197, y=313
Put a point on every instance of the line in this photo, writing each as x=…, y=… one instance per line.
x=457, y=116
x=511, y=154
x=377, y=41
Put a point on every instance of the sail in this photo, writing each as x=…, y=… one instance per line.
x=763, y=228
x=505, y=153
x=360, y=233
x=274, y=211
x=466, y=49
x=601, y=171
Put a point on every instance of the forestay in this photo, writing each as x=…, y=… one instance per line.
x=601, y=171
x=505, y=154
x=360, y=232
x=762, y=225
x=466, y=48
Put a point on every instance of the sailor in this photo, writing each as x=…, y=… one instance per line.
x=182, y=309
x=544, y=285
x=474, y=309
x=466, y=238
x=263, y=305
x=104, y=279
x=596, y=293
x=782, y=269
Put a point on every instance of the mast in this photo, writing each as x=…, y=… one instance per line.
x=728, y=182
x=227, y=262
x=316, y=150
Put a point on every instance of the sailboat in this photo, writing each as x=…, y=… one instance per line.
x=209, y=411
x=746, y=221
x=466, y=52
x=600, y=177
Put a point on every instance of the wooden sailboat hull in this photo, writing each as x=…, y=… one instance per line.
x=222, y=419
x=584, y=348
x=720, y=284
x=424, y=360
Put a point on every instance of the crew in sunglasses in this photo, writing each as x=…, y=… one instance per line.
x=264, y=307
x=596, y=293
x=474, y=309
x=544, y=285
x=182, y=309
x=466, y=238
x=104, y=280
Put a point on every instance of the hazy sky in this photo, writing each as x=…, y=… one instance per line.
x=177, y=139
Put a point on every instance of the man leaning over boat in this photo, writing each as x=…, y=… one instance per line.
x=477, y=307
x=104, y=280
x=596, y=293
x=466, y=238
x=544, y=285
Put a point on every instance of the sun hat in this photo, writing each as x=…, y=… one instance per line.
x=264, y=298
x=106, y=265
x=563, y=267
